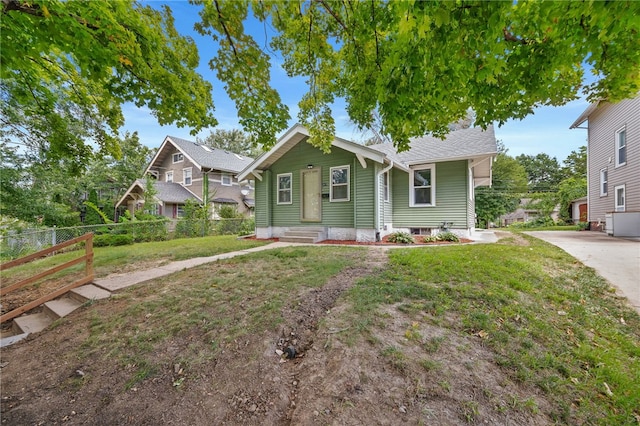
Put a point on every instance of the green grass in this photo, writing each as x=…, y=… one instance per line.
x=108, y=260
x=549, y=320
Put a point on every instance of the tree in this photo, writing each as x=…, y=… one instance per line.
x=233, y=141
x=509, y=181
x=420, y=65
x=543, y=171
x=575, y=165
x=68, y=66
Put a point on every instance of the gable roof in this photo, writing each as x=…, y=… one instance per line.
x=167, y=192
x=298, y=134
x=203, y=157
x=458, y=145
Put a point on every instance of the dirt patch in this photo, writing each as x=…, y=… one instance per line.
x=390, y=379
x=512, y=238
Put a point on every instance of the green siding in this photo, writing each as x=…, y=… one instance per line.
x=337, y=214
x=451, y=198
x=261, y=194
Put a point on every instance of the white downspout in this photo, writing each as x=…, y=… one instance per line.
x=380, y=173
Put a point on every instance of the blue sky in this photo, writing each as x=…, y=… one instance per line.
x=545, y=131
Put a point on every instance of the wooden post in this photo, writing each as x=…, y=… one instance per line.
x=89, y=255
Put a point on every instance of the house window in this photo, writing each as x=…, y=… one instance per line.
x=186, y=176
x=603, y=182
x=619, y=191
x=385, y=185
x=179, y=210
x=340, y=187
x=284, y=188
x=422, y=186
x=226, y=179
x=178, y=157
x=169, y=176
x=621, y=147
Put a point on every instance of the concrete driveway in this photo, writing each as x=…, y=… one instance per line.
x=616, y=259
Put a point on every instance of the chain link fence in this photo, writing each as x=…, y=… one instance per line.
x=16, y=243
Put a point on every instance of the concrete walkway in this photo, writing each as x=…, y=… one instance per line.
x=119, y=281
x=616, y=259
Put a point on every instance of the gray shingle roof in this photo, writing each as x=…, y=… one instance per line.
x=170, y=192
x=212, y=158
x=465, y=143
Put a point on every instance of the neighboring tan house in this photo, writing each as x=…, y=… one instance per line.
x=526, y=212
x=613, y=166
x=363, y=193
x=185, y=170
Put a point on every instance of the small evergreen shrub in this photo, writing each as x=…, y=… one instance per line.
x=105, y=240
x=400, y=238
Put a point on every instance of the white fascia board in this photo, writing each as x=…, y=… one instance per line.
x=296, y=129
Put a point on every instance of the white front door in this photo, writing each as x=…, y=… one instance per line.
x=311, y=208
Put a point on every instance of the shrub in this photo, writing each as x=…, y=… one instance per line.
x=400, y=238
x=448, y=236
x=112, y=240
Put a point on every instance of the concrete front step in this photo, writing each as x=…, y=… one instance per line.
x=61, y=307
x=302, y=234
x=294, y=239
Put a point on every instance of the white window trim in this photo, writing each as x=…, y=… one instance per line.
x=290, y=189
x=222, y=176
x=617, y=141
x=173, y=157
x=169, y=176
x=348, y=184
x=386, y=184
x=620, y=207
x=412, y=193
x=603, y=181
x=184, y=176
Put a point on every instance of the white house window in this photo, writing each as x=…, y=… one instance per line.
x=385, y=184
x=179, y=210
x=619, y=191
x=621, y=147
x=226, y=179
x=186, y=176
x=340, y=185
x=603, y=182
x=284, y=188
x=178, y=157
x=422, y=191
x=169, y=177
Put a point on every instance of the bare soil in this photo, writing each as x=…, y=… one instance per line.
x=320, y=378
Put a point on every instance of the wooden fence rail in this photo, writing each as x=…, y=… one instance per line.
x=87, y=278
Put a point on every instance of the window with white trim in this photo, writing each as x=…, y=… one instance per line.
x=621, y=146
x=186, y=176
x=385, y=185
x=340, y=187
x=603, y=182
x=619, y=191
x=169, y=176
x=226, y=179
x=178, y=157
x=422, y=182
x=284, y=182
x=179, y=210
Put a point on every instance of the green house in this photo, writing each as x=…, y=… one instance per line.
x=363, y=193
